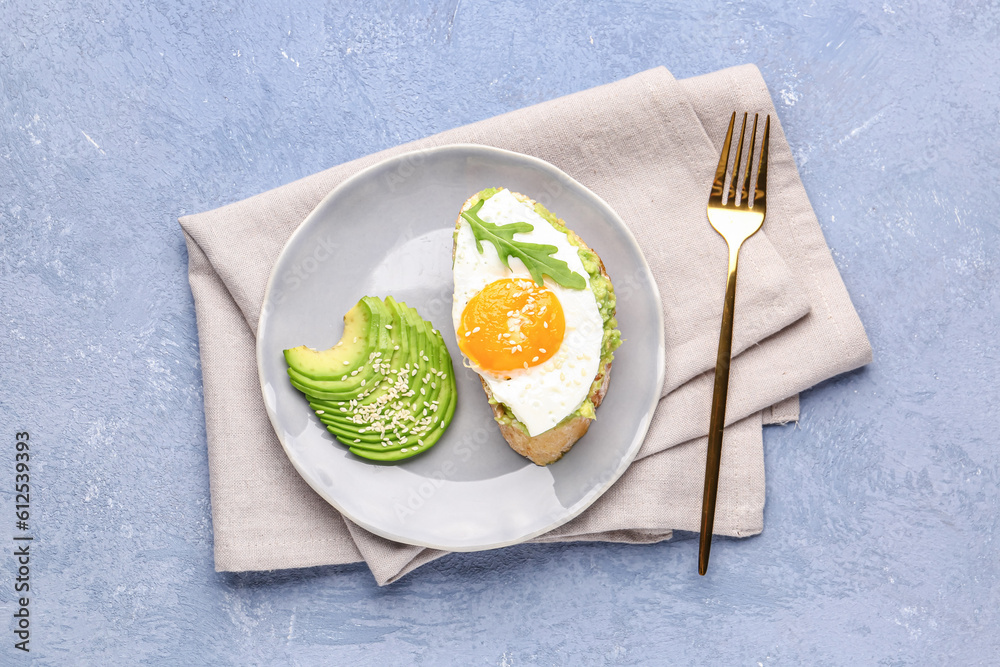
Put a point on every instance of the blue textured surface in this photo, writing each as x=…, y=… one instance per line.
x=879, y=546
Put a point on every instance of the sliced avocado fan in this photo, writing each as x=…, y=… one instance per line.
x=387, y=389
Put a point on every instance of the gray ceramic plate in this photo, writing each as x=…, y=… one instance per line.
x=387, y=230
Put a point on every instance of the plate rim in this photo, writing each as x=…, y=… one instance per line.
x=598, y=490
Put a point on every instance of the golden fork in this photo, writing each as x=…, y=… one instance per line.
x=736, y=221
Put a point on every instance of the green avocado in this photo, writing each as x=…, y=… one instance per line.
x=347, y=355
x=387, y=389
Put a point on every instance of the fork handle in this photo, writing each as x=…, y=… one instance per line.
x=718, y=415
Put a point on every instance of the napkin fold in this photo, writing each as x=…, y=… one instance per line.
x=648, y=145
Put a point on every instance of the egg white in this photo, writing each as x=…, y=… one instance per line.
x=539, y=396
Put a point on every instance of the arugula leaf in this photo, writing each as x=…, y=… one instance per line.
x=536, y=256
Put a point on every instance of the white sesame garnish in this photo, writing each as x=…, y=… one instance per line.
x=357, y=440
x=347, y=363
x=388, y=326
x=534, y=359
x=320, y=412
x=363, y=383
x=542, y=350
x=353, y=373
x=526, y=364
x=468, y=333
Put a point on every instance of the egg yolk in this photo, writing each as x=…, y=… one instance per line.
x=510, y=324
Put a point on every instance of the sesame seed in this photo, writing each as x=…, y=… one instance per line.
x=534, y=359
x=426, y=359
x=422, y=392
x=343, y=378
x=320, y=412
x=404, y=449
x=357, y=440
x=347, y=363
x=388, y=326
x=545, y=324
x=343, y=409
x=353, y=373
x=468, y=333
x=542, y=350
x=526, y=364
x=363, y=383
x=475, y=330
x=396, y=347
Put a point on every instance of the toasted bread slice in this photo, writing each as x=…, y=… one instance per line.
x=549, y=447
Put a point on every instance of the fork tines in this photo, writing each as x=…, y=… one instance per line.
x=728, y=198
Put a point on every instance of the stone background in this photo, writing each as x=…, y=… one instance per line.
x=117, y=117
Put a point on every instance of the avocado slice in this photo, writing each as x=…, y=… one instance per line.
x=374, y=403
x=350, y=382
x=347, y=355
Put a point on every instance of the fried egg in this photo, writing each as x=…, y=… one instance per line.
x=538, y=348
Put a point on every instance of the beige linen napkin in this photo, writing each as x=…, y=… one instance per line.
x=648, y=145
